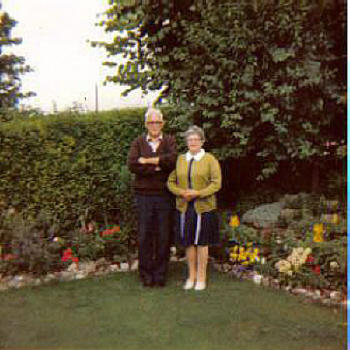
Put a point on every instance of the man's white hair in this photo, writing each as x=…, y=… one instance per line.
x=151, y=111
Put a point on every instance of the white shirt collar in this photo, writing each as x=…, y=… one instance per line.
x=197, y=156
x=149, y=138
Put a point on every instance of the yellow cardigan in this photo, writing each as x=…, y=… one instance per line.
x=205, y=178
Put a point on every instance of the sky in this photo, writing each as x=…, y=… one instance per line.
x=66, y=68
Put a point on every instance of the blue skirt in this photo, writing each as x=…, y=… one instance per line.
x=194, y=229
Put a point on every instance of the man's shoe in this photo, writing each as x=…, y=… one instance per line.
x=147, y=283
x=160, y=283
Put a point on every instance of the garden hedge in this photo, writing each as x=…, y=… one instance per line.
x=71, y=166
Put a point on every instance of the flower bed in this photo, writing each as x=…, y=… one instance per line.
x=306, y=256
x=308, y=260
x=33, y=247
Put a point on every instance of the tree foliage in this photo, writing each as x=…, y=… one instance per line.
x=11, y=67
x=261, y=77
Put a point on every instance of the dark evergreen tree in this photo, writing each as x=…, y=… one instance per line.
x=11, y=66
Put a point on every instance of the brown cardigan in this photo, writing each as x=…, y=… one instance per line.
x=147, y=179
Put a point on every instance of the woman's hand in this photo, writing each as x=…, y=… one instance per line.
x=188, y=194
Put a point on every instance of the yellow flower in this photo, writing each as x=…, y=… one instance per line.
x=335, y=219
x=299, y=251
x=234, y=253
x=307, y=251
x=253, y=258
x=283, y=266
x=256, y=254
x=233, y=257
x=318, y=228
x=305, y=254
x=242, y=254
x=318, y=233
x=234, y=222
x=296, y=261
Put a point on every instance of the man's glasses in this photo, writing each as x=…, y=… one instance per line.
x=154, y=123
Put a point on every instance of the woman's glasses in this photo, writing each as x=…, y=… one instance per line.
x=193, y=139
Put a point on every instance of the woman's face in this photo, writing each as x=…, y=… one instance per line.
x=194, y=143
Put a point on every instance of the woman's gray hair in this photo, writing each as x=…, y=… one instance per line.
x=151, y=111
x=194, y=130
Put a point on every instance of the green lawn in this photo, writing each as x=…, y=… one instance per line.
x=115, y=312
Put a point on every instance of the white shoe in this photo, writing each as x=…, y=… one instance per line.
x=200, y=286
x=188, y=285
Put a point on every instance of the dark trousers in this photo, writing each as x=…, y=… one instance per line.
x=155, y=214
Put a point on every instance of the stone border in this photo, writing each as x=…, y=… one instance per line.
x=101, y=267
x=75, y=271
x=320, y=296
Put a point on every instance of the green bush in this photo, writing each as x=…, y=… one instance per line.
x=71, y=166
x=27, y=245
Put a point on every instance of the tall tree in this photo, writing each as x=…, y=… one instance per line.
x=11, y=66
x=264, y=78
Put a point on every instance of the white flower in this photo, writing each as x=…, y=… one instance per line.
x=334, y=265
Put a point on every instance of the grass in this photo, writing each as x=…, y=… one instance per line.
x=115, y=312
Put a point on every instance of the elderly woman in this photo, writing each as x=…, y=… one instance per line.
x=195, y=181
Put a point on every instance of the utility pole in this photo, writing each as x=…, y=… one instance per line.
x=96, y=98
x=54, y=107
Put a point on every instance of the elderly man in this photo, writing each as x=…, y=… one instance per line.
x=151, y=158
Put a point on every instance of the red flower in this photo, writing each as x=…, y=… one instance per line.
x=310, y=259
x=110, y=231
x=68, y=256
x=68, y=252
x=115, y=229
x=106, y=233
x=316, y=269
x=9, y=257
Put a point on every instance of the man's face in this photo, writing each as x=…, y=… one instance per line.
x=154, y=125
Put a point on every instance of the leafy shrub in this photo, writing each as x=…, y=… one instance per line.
x=26, y=245
x=36, y=247
x=71, y=166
